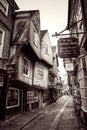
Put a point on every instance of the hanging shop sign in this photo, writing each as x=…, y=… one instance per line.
x=68, y=47
x=11, y=71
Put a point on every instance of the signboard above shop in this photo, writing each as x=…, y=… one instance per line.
x=68, y=47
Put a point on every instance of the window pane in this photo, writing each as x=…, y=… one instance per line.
x=26, y=67
x=25, y=71
x=26, y=63
x=12, y=98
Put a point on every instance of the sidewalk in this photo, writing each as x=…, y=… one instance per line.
x=69, y=120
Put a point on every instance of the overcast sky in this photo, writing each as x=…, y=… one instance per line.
x=53, y=15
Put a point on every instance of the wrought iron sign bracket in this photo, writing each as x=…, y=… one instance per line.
x=67, y=28
x=58, y=34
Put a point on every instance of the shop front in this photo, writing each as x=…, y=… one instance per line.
x=12, y=101
x=16, y=98
x=32, y=99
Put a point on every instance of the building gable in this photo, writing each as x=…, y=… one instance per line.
x=46, y=50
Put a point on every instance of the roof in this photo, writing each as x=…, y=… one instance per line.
x=26, y=11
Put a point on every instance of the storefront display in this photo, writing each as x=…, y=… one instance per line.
x=12, y=98
x=32, y=99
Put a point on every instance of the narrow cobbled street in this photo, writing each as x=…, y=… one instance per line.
x=57, y=116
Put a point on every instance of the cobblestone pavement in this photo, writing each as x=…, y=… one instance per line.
x=56, y=116
x=69, y=120
x=41, y=119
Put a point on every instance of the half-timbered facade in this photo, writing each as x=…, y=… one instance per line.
x=41, y=69
x=24, y=52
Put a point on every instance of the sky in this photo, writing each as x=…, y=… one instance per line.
x=53, y=16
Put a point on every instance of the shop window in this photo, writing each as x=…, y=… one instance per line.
x=4, y=6
x=2, y=35
x=45, y=97
x=12, y=99
x=26, y=67
x=30, y=97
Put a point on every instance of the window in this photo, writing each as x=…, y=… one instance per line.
x=83, y=62
x=1, y=41
x=26, y=67
x=47, y=50
x=12, y=98
x=36, y=39
x=4, y=6
x=1, y=80
x=30, y=97
x=80, y=25
x=40, y=73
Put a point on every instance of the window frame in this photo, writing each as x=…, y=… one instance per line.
x=26, y=67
